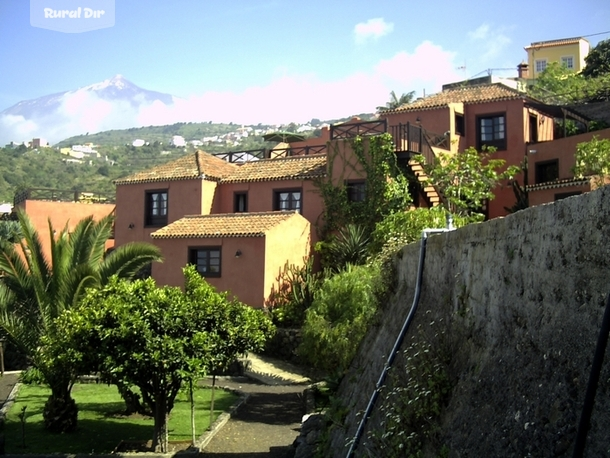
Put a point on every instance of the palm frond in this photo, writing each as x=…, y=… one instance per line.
x=127, y=260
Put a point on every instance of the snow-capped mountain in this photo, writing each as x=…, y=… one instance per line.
x=115, y=103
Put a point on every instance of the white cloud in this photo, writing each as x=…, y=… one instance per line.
x=286, y=98
x=373, y=29
x=492, y=42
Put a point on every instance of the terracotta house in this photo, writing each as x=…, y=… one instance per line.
x=550, y=176
x=480, y=116
x=239, y=224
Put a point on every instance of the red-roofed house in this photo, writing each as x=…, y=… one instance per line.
x=239, y=224
x=493, y=115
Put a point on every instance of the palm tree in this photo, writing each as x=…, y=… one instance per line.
x=396, y=102
x=34, y=290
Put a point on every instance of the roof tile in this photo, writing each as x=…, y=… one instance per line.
x=223, y=225
x=185, y=168
x=561, y=41
x=467, y=94
x=290, y=168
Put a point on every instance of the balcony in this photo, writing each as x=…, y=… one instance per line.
x=238, y=157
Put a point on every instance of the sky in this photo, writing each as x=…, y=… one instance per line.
x=281, y=61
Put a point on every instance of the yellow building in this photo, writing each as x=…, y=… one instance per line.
x=569, y=52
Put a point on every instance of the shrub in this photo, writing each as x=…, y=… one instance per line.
x=340, y=316
x=293, y=294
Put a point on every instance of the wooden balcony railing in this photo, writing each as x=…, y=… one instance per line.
x=409, y=138
x=355, y=129
x=243, y=156
x=62, y=195
x=264, y=153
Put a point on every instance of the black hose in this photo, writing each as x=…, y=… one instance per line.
x=587, y=409
x=395, y=349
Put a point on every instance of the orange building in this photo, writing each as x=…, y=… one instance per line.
x=482, y=115
x=61, y=209
x=239, y=224
x=550, y=164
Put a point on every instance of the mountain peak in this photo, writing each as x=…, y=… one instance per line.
x=118, y=81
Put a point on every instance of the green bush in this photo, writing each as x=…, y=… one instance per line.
x=293, y=294
x=339, y=318
x=402, y=228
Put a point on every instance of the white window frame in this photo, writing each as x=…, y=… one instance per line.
x=538, y=63
x=564, y=62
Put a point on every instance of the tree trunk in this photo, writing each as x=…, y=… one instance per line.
x=192, y=396
x=159, y=441
x=60, y=411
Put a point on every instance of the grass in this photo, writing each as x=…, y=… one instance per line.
x=101, y=425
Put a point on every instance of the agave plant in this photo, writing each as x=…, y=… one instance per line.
x=350, y=246
x=36, y=289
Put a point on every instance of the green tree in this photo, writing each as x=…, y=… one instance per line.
x=597, y=62
x=467, y=179
x=562, y=86
x=396, y=102
x=35, y=290
x=157, y=338
x=593, y=159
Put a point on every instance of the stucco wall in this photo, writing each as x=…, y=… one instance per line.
x=184, y=198
x=61, y=214
x=517, y=304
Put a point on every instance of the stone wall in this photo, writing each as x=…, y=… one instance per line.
x=517, y=304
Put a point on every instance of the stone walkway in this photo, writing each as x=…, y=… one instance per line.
x=270, y=420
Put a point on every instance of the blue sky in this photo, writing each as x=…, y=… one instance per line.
x=269, y=61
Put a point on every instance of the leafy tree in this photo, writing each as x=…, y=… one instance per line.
x=396, y=102
x=467, y=179
x=562, y=86
x=597, y=62
x=157, y=338
x=35, y=290
x=593, y=158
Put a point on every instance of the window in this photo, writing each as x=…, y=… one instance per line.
x=207, y=260
x=540, y=65
x=156, y=208
x=288, y=200
x=547, y=171
x=459, y=124
x=566, y=194
x=567, y=62
x=356, y=190
x=240, y=202
x=492, y=131
x=533, y=128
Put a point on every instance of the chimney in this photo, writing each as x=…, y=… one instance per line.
x=523, y=70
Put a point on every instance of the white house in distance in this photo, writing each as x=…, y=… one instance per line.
x=177, y=140
x=138, y=142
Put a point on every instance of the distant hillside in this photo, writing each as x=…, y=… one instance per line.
x=151, y=134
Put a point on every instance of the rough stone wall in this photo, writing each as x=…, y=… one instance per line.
x=520, y=300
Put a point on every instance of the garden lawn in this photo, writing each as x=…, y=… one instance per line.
x=101, y=423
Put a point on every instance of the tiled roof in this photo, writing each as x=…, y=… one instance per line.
x=559, y=184
x=562, y=41
x=223, y=225
x=185, y=168
x=468, y=94
x=290, y=168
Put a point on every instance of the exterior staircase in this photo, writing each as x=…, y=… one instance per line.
x=432, y=195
